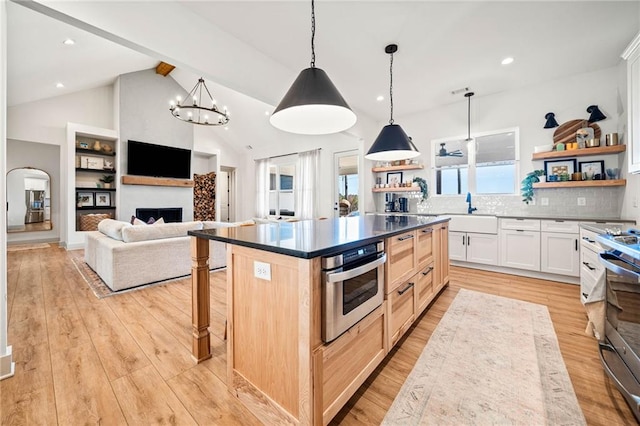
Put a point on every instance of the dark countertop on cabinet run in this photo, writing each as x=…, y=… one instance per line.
x=312, y=238
x=505, y=216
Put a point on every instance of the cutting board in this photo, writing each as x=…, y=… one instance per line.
x=567, y=131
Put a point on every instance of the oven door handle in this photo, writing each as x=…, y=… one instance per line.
x=606, y=347
x=352, y=273
x=616, y=268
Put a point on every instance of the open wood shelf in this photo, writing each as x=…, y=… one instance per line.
x=106, y=171
x=398, y=189
x=580, y=183
x=96, y=208
x=601, y=150
x=154, y=181
x=94, y=152
x=396, y=168
x=78, y=188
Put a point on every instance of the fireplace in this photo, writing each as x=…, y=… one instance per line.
x=169, y=214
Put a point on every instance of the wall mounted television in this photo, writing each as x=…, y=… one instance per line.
x=147, y=159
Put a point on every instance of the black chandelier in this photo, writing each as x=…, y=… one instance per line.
x=198, y=110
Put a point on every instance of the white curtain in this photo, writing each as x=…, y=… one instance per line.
x=306, y=190
x=262, y=188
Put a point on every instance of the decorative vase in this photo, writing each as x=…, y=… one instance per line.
x=97, y=146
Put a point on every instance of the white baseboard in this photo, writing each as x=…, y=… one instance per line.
x=7, y=366
x=521, y=272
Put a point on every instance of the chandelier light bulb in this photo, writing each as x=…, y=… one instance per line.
x=195, y=101
x=172, y=104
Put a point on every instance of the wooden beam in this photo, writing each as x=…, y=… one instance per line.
x=164, y=69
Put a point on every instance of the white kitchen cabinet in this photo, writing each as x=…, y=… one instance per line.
x=520, y=249
x=560, y=247
x=560, y=253
x=473, y=247
x=457, y=246
x=632, y=56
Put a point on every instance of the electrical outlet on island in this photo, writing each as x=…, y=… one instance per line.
x=262, y=270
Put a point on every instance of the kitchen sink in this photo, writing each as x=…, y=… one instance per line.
x=473, y=223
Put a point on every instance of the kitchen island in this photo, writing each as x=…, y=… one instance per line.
x=277, y=362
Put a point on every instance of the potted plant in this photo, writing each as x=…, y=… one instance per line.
x=107, y=180
x=527, y=184
x=424, y=188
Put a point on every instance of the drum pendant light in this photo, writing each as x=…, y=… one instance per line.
x=392, y=143
x=313, y=105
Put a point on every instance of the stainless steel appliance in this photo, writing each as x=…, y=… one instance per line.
x=403, y=204
x=620, y=349
x=352, y=287
x=34, y=200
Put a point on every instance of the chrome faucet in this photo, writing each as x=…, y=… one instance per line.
x=470, y=210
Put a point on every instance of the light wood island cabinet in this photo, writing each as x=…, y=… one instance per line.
x=277, y=364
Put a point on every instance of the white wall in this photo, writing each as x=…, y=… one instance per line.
x=525, y=108
x=46, y=121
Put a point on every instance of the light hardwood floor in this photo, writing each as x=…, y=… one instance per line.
x=126, y=359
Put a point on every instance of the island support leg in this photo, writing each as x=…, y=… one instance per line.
x=201, y=345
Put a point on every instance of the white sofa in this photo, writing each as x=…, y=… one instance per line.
x=127, y=256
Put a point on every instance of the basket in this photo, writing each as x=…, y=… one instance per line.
x=89, y=222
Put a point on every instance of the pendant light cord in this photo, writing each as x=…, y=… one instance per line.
x=468, y=95
x=469, y=120
x=313, y=34
x=391, y=87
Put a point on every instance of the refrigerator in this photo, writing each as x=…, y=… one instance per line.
x=35, y=206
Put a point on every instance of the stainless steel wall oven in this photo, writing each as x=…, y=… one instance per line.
x=352, y=287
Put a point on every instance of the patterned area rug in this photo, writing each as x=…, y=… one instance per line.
x=100, y=289
x=490, y=361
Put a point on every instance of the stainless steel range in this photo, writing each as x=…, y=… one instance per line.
x=620, y=349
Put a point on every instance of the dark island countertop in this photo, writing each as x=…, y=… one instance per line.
x=312, y=238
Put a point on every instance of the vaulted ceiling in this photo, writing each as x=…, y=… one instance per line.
x=258, y=47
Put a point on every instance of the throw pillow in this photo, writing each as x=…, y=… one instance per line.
x=112, y=228
x=151, y=221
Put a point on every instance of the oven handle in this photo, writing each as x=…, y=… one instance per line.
x=607, y=347
x=615, y=268
x=352, y=273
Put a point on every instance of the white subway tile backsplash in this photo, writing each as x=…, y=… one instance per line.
x=602, y=203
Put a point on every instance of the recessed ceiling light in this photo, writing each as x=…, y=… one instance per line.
x=266, y=113
x=69, y=42
x=59, y=85
x=507, y=61
x=380, y=98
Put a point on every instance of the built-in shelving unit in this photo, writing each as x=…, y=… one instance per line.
x=581, y=183
x=601, y=150
x=91, y=153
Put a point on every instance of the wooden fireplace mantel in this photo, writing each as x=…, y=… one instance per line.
x=154, y=181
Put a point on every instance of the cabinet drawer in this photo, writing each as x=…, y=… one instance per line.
x=520, y=224
x=425, y=246
x=563, y=226
x=401, y=259
x=346, y=363
x=424, y=288
x=588, y=240
x=401, y=310
x=590, y=263
x=587, y=283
